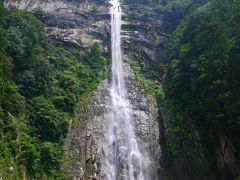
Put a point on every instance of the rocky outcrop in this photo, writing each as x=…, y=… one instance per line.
x=145, y=115
x=91, y=138
x=75, y=25
x=143, y=38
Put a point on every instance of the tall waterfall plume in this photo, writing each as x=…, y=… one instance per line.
x=123, y=159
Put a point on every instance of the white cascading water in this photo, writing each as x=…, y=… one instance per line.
x=123, y=159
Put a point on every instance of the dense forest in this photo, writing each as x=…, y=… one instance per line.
x=202, y=88
x=40, y=87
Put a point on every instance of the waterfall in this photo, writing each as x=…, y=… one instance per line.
x=122, y=157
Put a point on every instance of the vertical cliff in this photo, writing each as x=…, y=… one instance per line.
x=76, y=25
x=91, y=136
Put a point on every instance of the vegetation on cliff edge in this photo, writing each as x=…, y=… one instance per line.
x=40, y=86
x=203, y=89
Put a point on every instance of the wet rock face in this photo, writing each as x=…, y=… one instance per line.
x=145, y=114
x=143, y=38
x=74, y=24
x=91, y=138
x=145, y=117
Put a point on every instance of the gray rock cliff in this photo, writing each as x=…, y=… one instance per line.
x=91, y=136
x=76, y=25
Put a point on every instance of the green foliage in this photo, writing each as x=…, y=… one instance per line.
x=202, y=86
x=29, y=154
x=30, y=27
x=15, y=42
x=40, y=87
x=13, y=102
x=52, y=160
x=48, y=123
x=174, y=11
x=147, y=84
